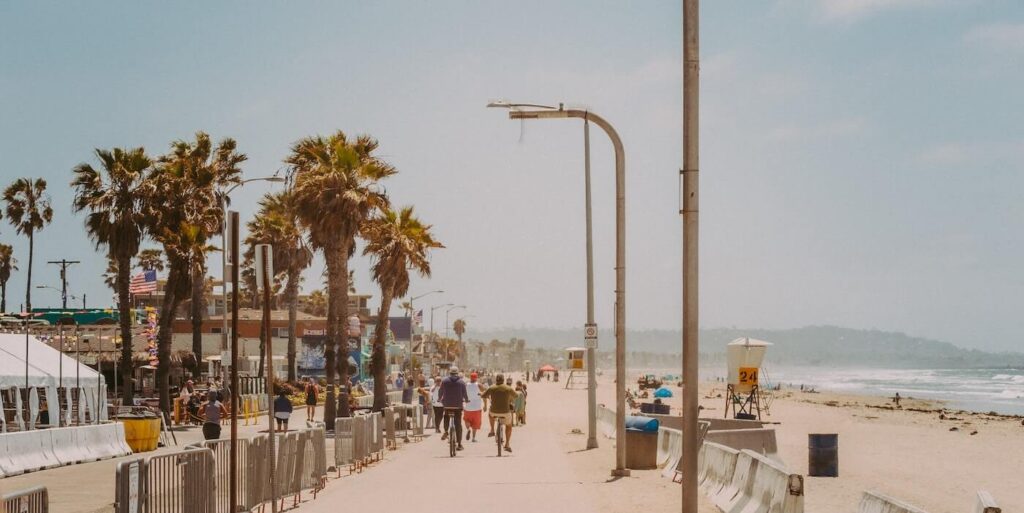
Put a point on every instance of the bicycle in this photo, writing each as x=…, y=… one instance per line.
x=499, y=435
x=453, y=439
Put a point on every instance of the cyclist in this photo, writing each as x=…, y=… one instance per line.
x=453, y=395
x=501, y=397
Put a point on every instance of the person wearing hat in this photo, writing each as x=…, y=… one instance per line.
x=472, y=413
x=453, y=396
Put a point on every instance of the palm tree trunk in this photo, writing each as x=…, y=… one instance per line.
x=333, y=260
x=293, y=314
x=164, y=334
x=28, y=287
x=196, y=314
x=3, y=297
x=127, y=368
x=341, y=287
x=378, y=362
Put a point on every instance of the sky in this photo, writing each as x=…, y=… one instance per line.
x=861, y=160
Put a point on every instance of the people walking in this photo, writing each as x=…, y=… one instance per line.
x=435, y=402
x=282, y=410
x=213, y=411
x=520, y=403
x=312, y=391
x=473, y=411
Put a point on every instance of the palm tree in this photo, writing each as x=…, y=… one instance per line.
x=316, y=303
x=114, y=219
x=28, y=210
x=276, y=224
x=150, y=260
x=182, y=214
x=398, y=242
x=459, y=326
x=335, y=193
x=7, y=264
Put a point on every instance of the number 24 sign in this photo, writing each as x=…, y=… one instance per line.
x=748, y=375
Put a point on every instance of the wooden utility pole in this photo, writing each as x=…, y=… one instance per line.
x=689, y=210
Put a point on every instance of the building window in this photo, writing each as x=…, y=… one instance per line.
x=279, y=332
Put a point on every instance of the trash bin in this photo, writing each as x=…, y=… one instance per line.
x=641, y=443
x=823, y=455
x=141, y=431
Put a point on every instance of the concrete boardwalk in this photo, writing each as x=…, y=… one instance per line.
x=547, y=471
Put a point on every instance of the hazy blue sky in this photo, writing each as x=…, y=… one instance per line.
x=861, y=159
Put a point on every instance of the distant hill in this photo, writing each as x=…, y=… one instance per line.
x=828, y=345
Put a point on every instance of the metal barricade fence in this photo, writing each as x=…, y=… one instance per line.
x=33, y=500
x=178, y=482
x=247, y=476
x=389, y=429
x=258, y=462
x=360, y=438
x=376, y=440
x=344, y=443
x=417, y=421
x=285, y=467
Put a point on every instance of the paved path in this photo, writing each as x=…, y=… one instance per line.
x=548, y=471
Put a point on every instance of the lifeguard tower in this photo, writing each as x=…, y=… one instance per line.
x=576, y=361
x=744, y=357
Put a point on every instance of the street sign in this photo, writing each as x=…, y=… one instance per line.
x=590, y=336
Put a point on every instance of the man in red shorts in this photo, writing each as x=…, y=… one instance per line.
x=471, y=412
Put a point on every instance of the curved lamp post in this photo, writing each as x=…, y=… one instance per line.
x=517, y=111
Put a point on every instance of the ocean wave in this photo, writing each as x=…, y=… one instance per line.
x=1013, y=378
x=1011, y=394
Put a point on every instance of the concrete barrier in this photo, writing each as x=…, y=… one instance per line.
x=874, y=502
x=761, y=441
x=66, y=448
x=674, y=440
x=717, y=470
x=717, y=424
x=736, y=495
x=986, y=503
x=774, y=488
x=27, y=452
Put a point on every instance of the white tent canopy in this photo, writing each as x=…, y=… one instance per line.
x=46, y=365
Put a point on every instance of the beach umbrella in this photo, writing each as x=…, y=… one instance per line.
x=548, y=368
x=663, y=392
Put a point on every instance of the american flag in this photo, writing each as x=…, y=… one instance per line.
x=143, y=282
x=418, y=317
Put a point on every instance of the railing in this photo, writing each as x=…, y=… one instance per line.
x=197, y=479
x=33, y=500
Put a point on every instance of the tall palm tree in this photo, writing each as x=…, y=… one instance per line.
x=316, y=303
x=114, y=219
x=7, y=264
x=150, y=260
x=459, y=326
x=182, y=214
x=398, y=242
x=28, y=210
x=110, y=275
x=335, y=193
x=276, y=224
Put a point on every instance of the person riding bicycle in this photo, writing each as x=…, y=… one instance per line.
x=501, y=398
x=453, y=396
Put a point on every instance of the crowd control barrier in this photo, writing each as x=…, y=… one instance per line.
x=33, y=500
x=250, y=486
x=673, y=466
x=389, y=429
x=177, y=482
x=606, y=421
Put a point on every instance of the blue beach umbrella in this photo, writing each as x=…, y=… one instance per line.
x=662, y=392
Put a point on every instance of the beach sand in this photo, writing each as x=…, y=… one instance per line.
x=907, y=453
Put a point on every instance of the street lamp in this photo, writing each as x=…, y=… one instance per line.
x=224, y=258
x=517, y=111
x=433, y=336
x=412, y=312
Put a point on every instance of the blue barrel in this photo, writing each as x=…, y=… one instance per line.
x=823, y=455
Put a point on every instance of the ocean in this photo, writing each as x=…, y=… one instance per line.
x=982, y=390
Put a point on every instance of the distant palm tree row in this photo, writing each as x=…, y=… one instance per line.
x=174, y=200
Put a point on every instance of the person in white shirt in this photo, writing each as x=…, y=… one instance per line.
x=472, y=412
x=435, y=402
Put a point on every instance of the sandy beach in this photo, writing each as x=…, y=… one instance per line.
x=922, y=453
